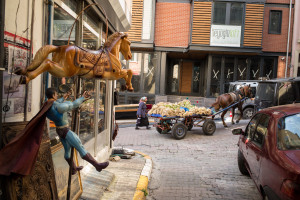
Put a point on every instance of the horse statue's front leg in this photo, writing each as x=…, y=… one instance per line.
x=128, y=78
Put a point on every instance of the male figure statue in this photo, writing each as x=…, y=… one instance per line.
x=58, y=114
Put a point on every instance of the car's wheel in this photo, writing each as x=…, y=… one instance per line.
x=179, y=131
x=209, y=127
x=248, y=113
x=241, y=164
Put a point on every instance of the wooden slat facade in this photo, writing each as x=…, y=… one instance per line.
x=201, y=23
x=135, y=32
x=253, y=25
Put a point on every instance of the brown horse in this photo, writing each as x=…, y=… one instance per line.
x=69, y=60
x=225, y=100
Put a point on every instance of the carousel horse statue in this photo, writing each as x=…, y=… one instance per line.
x=70, y=60
x=225, y=100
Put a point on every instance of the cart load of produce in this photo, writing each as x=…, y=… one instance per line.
x=179, y=109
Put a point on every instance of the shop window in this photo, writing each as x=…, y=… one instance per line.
x=228, y=72
x=228, y=13
x=102, y=103
x=215, y=77
x=149, y=72
x=91, y=31
x=196, y=79
x=86, y=127
x=173, y=80
x=242, y=69
x=275, y=22
x=254, y=68
x=136, y=66
x=268, y=68
x=219, y=15
x=147, y=20
x=236, y=13
x=62, y=24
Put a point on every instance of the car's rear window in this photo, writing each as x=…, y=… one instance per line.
x=288, y=136
x=265, y=91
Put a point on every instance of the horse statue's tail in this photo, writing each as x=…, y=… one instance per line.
x=41, y=55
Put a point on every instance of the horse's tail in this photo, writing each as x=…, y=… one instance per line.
x=40, y=56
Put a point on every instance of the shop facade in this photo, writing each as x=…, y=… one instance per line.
x=209, y=44
x=38, y=23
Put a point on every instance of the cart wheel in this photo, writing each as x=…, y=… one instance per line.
x=190, y=122
x=158, y=129
x=209, y=127
x=179, y=131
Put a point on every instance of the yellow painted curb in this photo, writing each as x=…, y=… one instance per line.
x=141, y=188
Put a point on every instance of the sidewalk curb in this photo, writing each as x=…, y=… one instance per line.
x=141, y=188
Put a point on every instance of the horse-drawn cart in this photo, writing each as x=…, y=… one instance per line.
x=178, y=126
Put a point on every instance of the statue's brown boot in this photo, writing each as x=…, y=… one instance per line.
x=75, y=169
x=99, y=166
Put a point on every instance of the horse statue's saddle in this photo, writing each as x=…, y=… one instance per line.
x=98, y=61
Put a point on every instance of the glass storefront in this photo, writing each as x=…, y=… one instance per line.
x=254, y=68
x=215, y=76
x=246, y=68
x=87, y=128
x=144, y=67
x=228, y=72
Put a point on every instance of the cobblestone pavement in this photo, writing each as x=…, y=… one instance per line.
x=196, y=167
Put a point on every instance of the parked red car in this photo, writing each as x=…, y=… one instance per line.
x=269, y=151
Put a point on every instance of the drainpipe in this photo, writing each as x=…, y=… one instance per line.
x=49, y=35
x=288, y=41
x=2, y=21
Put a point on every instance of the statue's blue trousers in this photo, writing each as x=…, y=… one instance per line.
x=72, y=140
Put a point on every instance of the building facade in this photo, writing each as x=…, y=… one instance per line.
x=25, y=27
x=193, y=49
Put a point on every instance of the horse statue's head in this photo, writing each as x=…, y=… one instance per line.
x=125, y=47
x=121, y=40
x=246, y=91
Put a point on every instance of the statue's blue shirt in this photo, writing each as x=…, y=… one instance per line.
x=58, y=112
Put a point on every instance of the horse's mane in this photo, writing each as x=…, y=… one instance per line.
x=112, y=38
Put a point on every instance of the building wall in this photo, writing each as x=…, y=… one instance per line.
x=22, y=29
x=280, y=1
x=276, y=42
x=296, y=42
x=172, y=24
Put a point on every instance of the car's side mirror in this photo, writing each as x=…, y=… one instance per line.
x=237, y=131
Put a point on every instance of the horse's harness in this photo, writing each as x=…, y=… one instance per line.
x=237, y=95
x=93, y=60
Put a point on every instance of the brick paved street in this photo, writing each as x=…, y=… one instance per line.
x=197, y=167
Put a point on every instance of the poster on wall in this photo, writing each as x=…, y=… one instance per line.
x=13, y=95
x=225, y=35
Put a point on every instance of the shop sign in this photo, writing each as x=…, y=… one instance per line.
x=224, y=35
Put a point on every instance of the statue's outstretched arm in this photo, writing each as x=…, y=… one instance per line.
x=68, y=105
